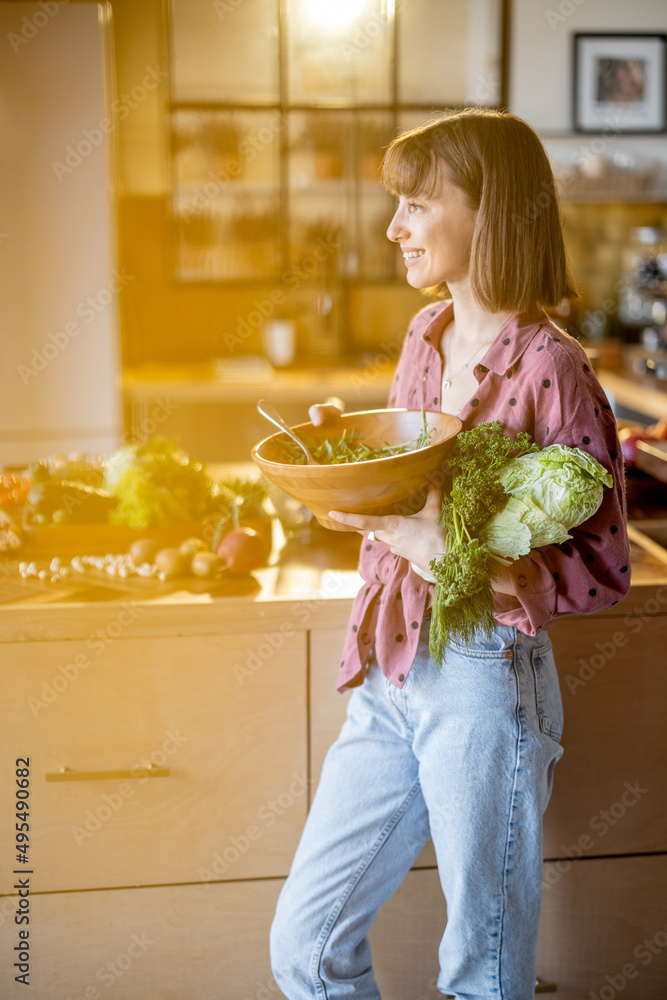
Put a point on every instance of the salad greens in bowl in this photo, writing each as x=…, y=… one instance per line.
x=373, y=461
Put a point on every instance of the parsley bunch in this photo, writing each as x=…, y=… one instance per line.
x=463, y=598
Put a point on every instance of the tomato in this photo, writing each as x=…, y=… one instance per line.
x=244, y=549
x=629, y=436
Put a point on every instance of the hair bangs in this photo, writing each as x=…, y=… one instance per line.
x=409, y=168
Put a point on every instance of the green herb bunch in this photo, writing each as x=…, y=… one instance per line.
x=463, y=598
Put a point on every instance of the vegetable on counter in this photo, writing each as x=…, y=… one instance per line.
x=61, y=501
x=243, y=505
x=156, y=484
x=150, y=485
x=14, y=488
x=244, y=550
x=629, y=436
x=506, y=498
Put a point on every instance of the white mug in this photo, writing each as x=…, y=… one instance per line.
x=279, y=341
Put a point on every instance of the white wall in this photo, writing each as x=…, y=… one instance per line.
x=56, y=237
x=541, y=50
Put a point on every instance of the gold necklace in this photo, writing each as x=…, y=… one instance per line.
x=447, y=382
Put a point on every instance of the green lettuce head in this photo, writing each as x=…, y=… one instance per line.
x=550, y=492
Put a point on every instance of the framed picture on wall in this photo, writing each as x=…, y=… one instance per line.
x=619, y=82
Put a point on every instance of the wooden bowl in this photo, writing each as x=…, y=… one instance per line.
x=397, y=484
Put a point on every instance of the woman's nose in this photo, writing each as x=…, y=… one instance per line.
x=396, y=228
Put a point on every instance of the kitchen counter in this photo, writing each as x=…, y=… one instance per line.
x=238, y=383
x=321, y=575
x=643, y=393
x=176, y=732
x=211, y=409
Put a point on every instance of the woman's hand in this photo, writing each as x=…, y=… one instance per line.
x=417, y=537
x=319, y=412
x=501, y=580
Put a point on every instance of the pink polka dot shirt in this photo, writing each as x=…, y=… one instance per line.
x=535, y=378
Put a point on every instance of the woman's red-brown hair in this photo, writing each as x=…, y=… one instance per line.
x=518, y=258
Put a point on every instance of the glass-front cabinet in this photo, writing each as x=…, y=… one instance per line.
x=280, y=110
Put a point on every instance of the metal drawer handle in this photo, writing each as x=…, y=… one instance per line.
x=66, y=774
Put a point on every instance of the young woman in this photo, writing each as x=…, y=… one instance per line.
x=464, y=755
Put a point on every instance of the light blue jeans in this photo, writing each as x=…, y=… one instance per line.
x=465, y=756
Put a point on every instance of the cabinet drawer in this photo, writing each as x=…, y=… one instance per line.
x=598, y=918
x=233, y=742
x=610, y=794
x=164, y=943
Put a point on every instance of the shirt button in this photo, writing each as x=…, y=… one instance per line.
x=401, y=677
x=509, y=655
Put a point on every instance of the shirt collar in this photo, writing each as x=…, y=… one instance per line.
x=507, y=347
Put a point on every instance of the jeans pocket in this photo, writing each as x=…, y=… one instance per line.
x=547, y=692
x=493, y=645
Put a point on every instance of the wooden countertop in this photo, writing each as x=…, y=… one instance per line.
x=643, y=393
x=204, y=383
x=308, y=587
x=369, y=383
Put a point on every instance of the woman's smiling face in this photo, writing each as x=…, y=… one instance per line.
x=435, y=234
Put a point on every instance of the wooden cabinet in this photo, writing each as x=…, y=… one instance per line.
x=173, y=942
x=610, y=793
x=185, y=866
x=164, y=888
x=603, y=931
x=229, y=798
